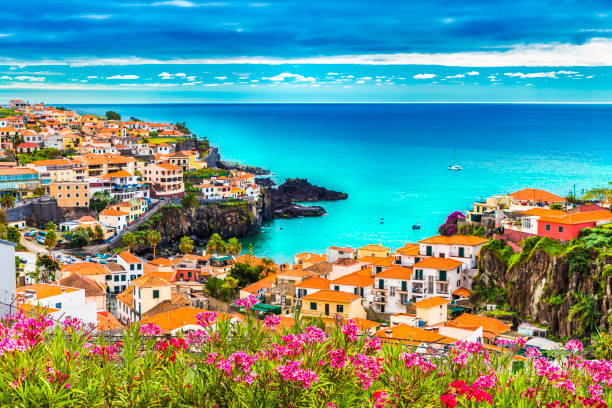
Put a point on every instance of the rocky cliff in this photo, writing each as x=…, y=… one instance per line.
x=229, y=220
x=543, y=287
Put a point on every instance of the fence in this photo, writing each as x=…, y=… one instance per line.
x=153, y=210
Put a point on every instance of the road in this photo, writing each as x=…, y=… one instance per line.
x=34, y=246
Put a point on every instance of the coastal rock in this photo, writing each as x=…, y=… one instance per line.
x=281, y=202
x=265, y=182
x=258, y=171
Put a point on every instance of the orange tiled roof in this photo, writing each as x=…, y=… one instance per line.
x=86, y=269
x=161, y=262
x=387, y=261
x=413, y=334
x=264, y=283
x=112, y=213
x=355, y=279
x=127, y=297
x=489, y=324
x=149, y=281
x=578, y=218
x=44, y=290
x=168, y=166
x=87, y=218
x=108, y=322
x=462, y=292
x=169, y=276
x=374, y=247
x=129, y=257
x=315, y=282
x=175, y=319
x=398, y=272
x=331, y=296
x=408, y=249
x=469, y=240
x=311, y=257
x=430, y=302
x=14, y=171
x=120, y=173
x=536, y=195
x=54, y=162
x=444, y=264
x=91, y=287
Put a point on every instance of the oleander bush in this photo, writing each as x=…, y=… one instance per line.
x=250, y=363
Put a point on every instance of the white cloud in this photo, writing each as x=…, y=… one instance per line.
x=590, y=76
x=567, y=72
x=96, y=16
x=448, y=20
x=552, y=74
x=123, y=77
x=30, y=78
x=366, y=78
x=424, y=76
x=175, y=3
x=167, y=75
x=472, y=73
x=288, y=75
x=191, y=78
x=492, y=78
x=4, y=35
x=360, y=82
x=456, y=76
x=5, y=77
x=91, y=76
x=221, y=78
x=332, y=73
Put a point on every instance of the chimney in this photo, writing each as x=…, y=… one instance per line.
x=63, y=289
x=30, y=294
x=389, y=333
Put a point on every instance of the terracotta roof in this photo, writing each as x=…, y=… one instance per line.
x=311, y=257
x=112, y=213
x=264, y=283
x=469, y=240
x=343, y=249
x=91, y=287
x=169, y=276
x=44, y=290
x=295, y=273
x=129, y=257
x=315, y=282
x=127, y=297
x=578, y=218
x=489, y=324
x=462, y=292
x=160, y=261
x=354, y=279
x=374, y=247
x=397, y=272
x=345, y=262
x=413, y=334
x=430, y=302
x=168, y=166
x=444, y=264
x=86, y=269
x=320, y=268
x=13, y=171
x=408, y=249
x=177, y=301
x=87, y=218
x=331, y=296
x=175, y=319
x=536, y=195
x=538, y=212
x=120, y=173
x=108, y=322
x=149, y=281
x=387, y=261
x=114, y=267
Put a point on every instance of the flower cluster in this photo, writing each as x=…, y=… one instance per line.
x=207, y=318
x=150, y=329
x=272, y=321
x=291, y=371
x=247, y=302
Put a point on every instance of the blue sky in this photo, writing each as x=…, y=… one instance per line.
x=305, y=51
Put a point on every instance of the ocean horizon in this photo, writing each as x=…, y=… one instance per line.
x=392, y=159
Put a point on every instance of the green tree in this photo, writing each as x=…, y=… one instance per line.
x=190, y=201
x=602, y=345
x=7, y=201
x=584, y=312
x=13, y=235
x=100, y=200
x=47, y=268
x=51, y=237
x=128, y=240
x=186, y=245
x=245, y=274
x=153, y=236
x=215, y=244
x=556, y=206
x=234, y=247
x=112, y=115
x=79, y=238
x=98, y=232
x=267, y=265
x=213, y=286
x=39, y=191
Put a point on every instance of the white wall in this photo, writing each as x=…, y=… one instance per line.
x=8, y=282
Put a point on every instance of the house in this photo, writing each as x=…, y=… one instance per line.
x=293, y=275
x=130, y=263
x=8, y=281
x=122, y=186
x=115, y=219
x=392, y=290
x=329, y=303
x=311, y=285
x=18, y=180
x=149, y=291
x=134, y=208
x=356, y=283
x=63, y=302
x=94, y=292
x=432, y=310
x=57, y=170
x=464, y=248
x=27, y=147
x=92, y=270
x=7, y=135
x=414, y=336
x=567, y=226
x=334, y=253
x=173, y=321
x=118, y=279
x=491, y=327
x=375, y=250
x=345, y=266
x=166, y=180
x=259, y=288
x=307, y=259
x=531, y=330
x=70, y=194
x=536, y=196
x=436, y=276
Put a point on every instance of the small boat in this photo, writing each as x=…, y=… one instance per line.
x=454, y=166
x=416, y=226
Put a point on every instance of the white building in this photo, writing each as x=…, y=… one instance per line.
x=464, y=248
x=63, y=302
x=7, y=277
x=334, y=253
x=392, y=290
x=358, y=283
x=435, y=277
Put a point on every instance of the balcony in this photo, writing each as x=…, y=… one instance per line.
x=383, y=290
x=379, y=301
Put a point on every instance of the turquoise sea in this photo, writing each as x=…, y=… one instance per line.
x=392, y=159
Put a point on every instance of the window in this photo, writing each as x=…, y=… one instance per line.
x=109, y=277
x=58, y=305
x=560, y=229
x=313, y=305
x=547, y=227
x=123, y=277
x=59, y=195
x=404, y=286
x=381, y=284
x=68, y=187
x=132, y=277
x=336, y=288
x=131, y=267
x=356, y=291
x=139, y=266
x=68, y=195
x=116, y=278
x=59, y=187
x=461, y=252
x=340, y=308
x=392, y=289
x=428, y=250
x=77, y=195
x=442, y=276
x=156, y=294
x=77, y=203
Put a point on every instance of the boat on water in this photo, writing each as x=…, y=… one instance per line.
x=416, y=226
x=454, y=166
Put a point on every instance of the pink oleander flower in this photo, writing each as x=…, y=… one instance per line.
x=291, y=371
x=197, y=338
x=72, y=324
x=574, y=346
x=380, y=399
x=448, y=400
x=67, y=385
x=337, y=358
x=150, y=329
x=247, y=302
x=206, y=319
x=272, y=321
x=331, y=405
x=374, y=344
x=532, y=353
x=367, y=369
x=350, y=330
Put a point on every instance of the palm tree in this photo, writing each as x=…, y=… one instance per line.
x=129, y=240
x=153, y=236
x=186, y=245
x=7, y=201
x=268, y=266
x=215, y=244
x=50, y=241
x=234, y=247
x=584, y=312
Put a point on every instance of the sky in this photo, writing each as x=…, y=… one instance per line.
x=82, y=51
